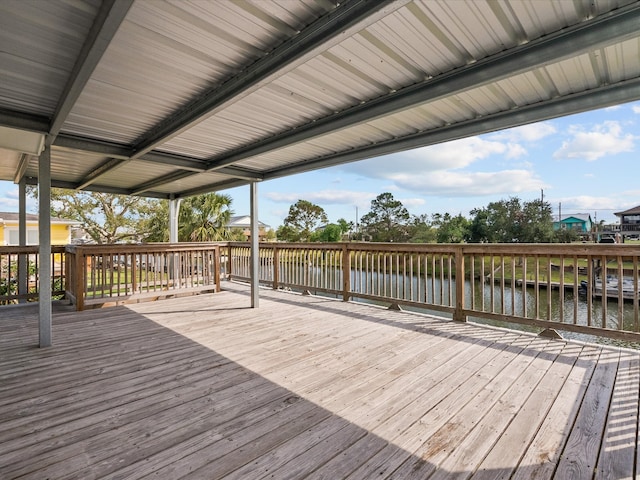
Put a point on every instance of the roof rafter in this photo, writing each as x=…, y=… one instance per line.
x=600, y=31
x=347, y=17
x=553, y=108
x=108, y=20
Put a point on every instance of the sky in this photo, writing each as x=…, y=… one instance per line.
x=585, y=163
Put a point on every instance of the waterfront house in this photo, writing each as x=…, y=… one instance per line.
x=580, y=222
x=629, y=220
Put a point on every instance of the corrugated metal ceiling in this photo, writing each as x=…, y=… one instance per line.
x=168, y=98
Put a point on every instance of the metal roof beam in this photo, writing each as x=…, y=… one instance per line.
x=165, y=179
x=577, y=103
x=599, y=32
x=95, y=188
x=22, y=168
x=24, y=121
x=347, y=18
x=97, y=172
x=213, y=187
x=238, y=173
x=90, y=145
x=107, y=22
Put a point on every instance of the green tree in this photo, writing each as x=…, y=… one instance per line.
x=421, y=230
x=536, y=224
x=513, y=221
x=345, y=227
x=330, y=233
x=565, y=235
x=387, y=221
x=202, y=218
x=303, y=219
x=453, y=229
x=106, y=217
x=287, y=233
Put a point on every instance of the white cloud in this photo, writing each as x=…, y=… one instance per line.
x=526, y=133
x=9, y=202
x=469, y=184
x=636, y=109
x=515, y=150
x=604, y=139
x=324, y=197
x=412, y=202
x=451, y=155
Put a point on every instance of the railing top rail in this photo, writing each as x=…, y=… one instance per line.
x=28, y=249
x=141, y=248
x=472, y=248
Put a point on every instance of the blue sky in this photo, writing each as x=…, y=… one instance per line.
x=588, y=163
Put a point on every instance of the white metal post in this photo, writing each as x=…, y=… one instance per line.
x=44, y=239
x=255, y=253
x=174, y=210
x=23, y=280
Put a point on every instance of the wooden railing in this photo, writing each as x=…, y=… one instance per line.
x=591, y=289
x=102, y=274
x=19, y=273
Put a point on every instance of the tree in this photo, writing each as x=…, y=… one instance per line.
x=202, y=218
x=106, y=217
x=304, y=217
x=330, y=233
x=345, y=227
x=421, y=230
x=513, y=221
x=387, y=221
x=453, y=229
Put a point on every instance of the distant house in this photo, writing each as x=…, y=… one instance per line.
x=629, y=219
x=60, y=229
x=243, y=224
x=579, y=222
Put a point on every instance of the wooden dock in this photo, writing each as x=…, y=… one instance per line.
x=304, y=387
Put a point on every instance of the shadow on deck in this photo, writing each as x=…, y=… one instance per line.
x=306, y=387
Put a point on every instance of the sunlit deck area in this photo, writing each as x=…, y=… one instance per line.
x=306, y=387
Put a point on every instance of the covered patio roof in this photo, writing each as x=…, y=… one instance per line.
x=169, y=99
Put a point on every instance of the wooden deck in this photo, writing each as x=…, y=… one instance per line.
x=304, y=387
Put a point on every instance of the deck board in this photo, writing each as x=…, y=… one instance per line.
x=306, y=387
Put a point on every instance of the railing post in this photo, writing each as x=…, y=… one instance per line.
x=276, y=267
x=459, y=315
x=80, y=277
x=217, y=262
x=346, y=272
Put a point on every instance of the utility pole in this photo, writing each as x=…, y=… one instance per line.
x=560, y=214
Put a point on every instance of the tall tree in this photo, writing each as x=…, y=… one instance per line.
x=202, y=218
x=421, y=230
x=513, y=221
x=303, y=218
x=453, y=229
x=107, y=218
x=387, y=221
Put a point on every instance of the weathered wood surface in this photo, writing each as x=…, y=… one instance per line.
x=305, y=387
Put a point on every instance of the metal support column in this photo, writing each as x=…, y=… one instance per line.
x=23, y=275
x=174, y=210
x=44, y=239
x=255, y=253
